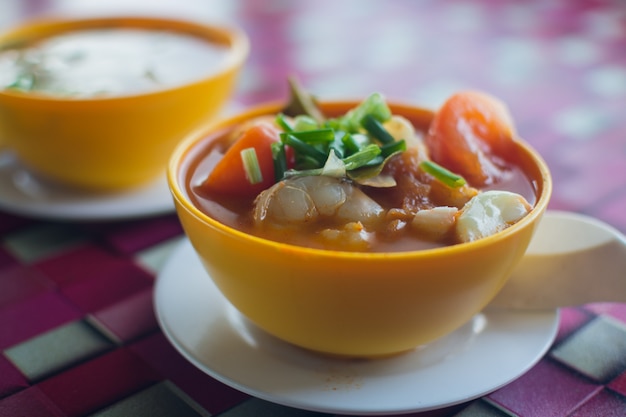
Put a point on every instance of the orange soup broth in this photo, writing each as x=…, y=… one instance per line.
x=237, y=213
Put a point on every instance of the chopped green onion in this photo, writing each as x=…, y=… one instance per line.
x=350, y=144
x=307, y=162
x=304, y=122
x=376, y=129
x=280, y=160
x=23, y=82
x=362, y=157
x=374, y=105
x=251, y=165
x=353, y=142
x=337, y=144
x=313, y=136
x=393, y=147
x=304, y=149
x=442, y=174
x=283, y=123
x=355, y=145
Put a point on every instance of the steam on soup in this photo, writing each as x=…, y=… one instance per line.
x=367, y=180
x=108, y=62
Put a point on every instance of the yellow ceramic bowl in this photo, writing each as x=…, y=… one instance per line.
x=353, y=304
x=119, y=141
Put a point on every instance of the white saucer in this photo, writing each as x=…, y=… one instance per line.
x=24, y=195
x=487, y=353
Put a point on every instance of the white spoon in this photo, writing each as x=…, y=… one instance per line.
x=572, y=260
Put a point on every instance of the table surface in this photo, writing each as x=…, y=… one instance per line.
x=78, y=333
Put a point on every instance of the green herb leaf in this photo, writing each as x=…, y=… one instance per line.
x=23, y=82
x=370, y=175
x=334, y=166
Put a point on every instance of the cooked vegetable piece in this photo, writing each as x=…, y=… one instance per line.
x=282, y=122
x=472, y=135
x=279, y=155
x=229, y=175
x=302, y=103
x=251, y=166
x=450, y=179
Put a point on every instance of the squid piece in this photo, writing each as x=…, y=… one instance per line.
x=488, y=213
x=315, y=198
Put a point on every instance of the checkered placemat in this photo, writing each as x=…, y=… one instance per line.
x=79, y=337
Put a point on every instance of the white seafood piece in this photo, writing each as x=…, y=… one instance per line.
x=434, y=223
x=307, y=199
x=488, y=213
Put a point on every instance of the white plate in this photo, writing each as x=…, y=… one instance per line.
x=22, y=194
x=487, y=353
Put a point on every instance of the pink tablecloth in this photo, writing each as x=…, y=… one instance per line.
x=78, y=333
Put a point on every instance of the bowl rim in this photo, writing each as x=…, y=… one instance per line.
x=230, y=35
x=185, y=147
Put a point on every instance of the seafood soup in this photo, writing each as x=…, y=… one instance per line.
x=375, y=177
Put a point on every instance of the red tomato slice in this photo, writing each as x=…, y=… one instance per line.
x=471, y=135
x=229, y=176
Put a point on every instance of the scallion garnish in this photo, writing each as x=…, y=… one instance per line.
x=362, y=157
x=374, y=105
x=337, y=144
x=283, y=123
x=23, y=82
x=393, y=147
x=355, y=145
x=304, y=149
x=326, y=135
x=353, y=142
x=280, y=160
x=304, y=122
x=251, y=165
x=442, y=174
x=376, y=129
